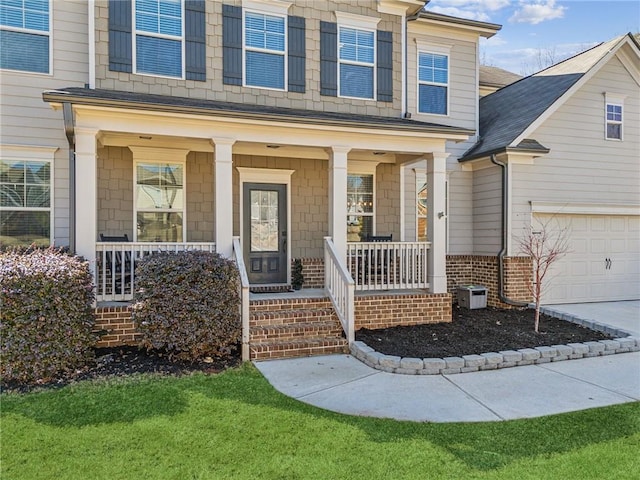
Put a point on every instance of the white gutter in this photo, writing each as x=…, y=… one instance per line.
x=91, y=12
x=404, y=63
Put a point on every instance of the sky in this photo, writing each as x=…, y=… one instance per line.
x=536, y=31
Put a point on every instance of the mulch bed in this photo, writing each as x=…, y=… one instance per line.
x=475, y=332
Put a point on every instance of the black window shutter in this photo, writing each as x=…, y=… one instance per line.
x=120, y=55
x=297, y=54
x=328, y=59
x=385, y=66
x=231, y=45
x=195, y=40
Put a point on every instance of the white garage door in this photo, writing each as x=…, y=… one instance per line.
x=603, y=263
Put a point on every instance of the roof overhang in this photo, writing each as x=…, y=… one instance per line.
x=528, y=148
x=484, y=29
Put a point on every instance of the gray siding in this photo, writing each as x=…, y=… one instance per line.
x=487, y=202
x=27, y=120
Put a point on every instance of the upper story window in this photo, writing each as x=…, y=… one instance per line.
x=357, y=59
x=614, y=121
x=25, y=35
x=160, y=202
x=25, y=202
x=264, y=44
x=159, y=41
x=433, y=83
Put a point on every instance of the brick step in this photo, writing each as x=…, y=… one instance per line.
x=325, y=329
x=288, y=304
x=299, y=348
x=286, y=317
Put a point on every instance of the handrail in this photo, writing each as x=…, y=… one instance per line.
x=244, y=296
x=340, y=287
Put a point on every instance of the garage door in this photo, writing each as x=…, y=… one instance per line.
x=603, y=263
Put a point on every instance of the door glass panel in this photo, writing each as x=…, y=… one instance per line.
x=264, y=221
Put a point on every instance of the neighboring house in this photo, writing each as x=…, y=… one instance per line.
x=494, y=78
x=266, y=130
x=569, y=139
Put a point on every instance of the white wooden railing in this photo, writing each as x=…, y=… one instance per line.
x=116, y=263
x=340, y=287
x=244, y=296
x=388, y=265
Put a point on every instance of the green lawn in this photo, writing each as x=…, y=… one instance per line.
x=235, y=425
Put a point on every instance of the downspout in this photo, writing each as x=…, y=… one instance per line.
x=503, y=244
x=67, y=113
x=92, y=43
x=405, y=60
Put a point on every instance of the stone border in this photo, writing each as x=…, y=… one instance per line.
x=502, y=359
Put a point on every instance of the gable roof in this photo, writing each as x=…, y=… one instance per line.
x=508, y=115
x=497, y=77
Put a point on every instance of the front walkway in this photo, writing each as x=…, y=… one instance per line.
x=343, y=384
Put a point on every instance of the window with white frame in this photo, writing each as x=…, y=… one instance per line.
x=614, y=121
x=264, y=50
x=25, y=35
x=360, y=206
x=433, y=83
x=25, y=202
x=357, y=60
x=160, y=202
x=421, y=207
x=159, y=40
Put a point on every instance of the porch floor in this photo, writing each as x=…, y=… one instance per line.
x=320, y=293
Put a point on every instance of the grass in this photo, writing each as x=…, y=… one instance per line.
x=235, y=426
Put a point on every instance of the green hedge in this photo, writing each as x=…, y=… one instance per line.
x=46, y=314
x=187, y=305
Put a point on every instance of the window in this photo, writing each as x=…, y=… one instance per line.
x=25, y=202
x=614, y=121
x=433, y=83
x=160, y=202
x=356, y=55
x=25, y=35
x=264, y=41
x=159, y=40
x=421, y=207
x=360, y=206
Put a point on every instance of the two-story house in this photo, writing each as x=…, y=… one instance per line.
x=268, y=131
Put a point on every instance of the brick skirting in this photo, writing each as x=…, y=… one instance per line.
x=383, y=311
x=115, y=326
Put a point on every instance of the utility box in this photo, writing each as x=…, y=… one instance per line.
x=472, y=296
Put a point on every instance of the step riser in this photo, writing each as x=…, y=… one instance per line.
x=273, y=306
x=292, y=317
x=293, y=333
x=262, y=353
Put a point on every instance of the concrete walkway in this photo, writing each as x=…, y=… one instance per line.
x=343, y=384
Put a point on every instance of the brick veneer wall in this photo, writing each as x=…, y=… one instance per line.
x=382, y=311
x=313, y=272
x=116, y=326
x=483, y=270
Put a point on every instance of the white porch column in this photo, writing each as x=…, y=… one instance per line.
x=223, y=159
x=86, y=206
x=338, y=198
x=437, y=223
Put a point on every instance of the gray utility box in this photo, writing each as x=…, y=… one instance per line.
x=472, y=296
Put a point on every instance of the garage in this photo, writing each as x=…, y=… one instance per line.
x=603, y=263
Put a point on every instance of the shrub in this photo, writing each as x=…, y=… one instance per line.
x=187, y=305
x=46, y=314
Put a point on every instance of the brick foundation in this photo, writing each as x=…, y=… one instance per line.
x=313, y=272
x=483, y=270
x=116, y=325
x=383, y=311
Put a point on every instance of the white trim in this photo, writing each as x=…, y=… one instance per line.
x=352, y=20
x=435, y=84
x=373, y=65
x=629, y=65
x=32, y=153
x=284, y=53
x=615, y=100
x=433, y=47
x=527, y=133
x=160, y=156
x=402, y=202
x=277, y=7
x=91, y=35
x=577, y=208
x=267, y=176
x=181, y=38
x=364, y=168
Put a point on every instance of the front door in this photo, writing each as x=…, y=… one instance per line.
x=265, y=232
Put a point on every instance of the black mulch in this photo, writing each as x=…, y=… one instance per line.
x=124, y=361
x=474, y=332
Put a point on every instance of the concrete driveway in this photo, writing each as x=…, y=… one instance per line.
x=623, y=315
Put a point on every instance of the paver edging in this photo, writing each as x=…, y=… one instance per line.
x=497, y=360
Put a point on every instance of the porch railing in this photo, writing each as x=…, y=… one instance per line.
x=116, y=264
x=388, y=265
x=340, y=287
x=244, y=296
